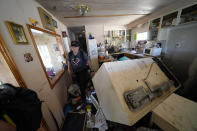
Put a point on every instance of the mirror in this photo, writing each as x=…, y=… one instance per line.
x=50, y=51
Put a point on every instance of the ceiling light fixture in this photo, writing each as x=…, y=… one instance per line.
x=82, y=9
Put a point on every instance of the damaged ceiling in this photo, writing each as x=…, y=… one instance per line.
x=65, y=8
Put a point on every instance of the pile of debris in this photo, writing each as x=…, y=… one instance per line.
x=94, y=117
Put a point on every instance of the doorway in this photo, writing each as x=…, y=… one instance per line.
x=78, y=34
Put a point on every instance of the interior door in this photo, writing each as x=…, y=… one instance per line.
x=8, y=70
x=10, y=74
x=6, y=75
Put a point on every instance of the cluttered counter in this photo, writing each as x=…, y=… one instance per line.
x=122, y=56
x=133, y=55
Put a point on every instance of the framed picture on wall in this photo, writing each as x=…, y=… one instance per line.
x=46, y=19
x=54, y=23
x=17, y=32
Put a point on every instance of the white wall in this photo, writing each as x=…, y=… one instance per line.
x=19, y=12
x=114, y=27
x=97, y=31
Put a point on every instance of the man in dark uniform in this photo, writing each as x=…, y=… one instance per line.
x=78, y=65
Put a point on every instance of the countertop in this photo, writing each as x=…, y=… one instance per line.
x=141, y=55
x=127, y=54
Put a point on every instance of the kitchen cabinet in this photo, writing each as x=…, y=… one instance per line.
x=169, y=20
x=181, y=16
x=189, y=14
x=115, y=37
x=154, y=28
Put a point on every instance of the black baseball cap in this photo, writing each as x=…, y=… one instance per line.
x=75, y=43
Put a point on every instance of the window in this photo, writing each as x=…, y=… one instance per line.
x=142, y=36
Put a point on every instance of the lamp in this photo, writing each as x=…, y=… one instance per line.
x=82, y=9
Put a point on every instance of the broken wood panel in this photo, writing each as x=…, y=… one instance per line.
x=177, y=112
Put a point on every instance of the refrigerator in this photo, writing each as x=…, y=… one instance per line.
x=93, y=53
x=181, y=57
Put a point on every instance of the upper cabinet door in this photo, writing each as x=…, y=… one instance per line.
x=189, y=14
x=169, y=20
x=154, y=28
